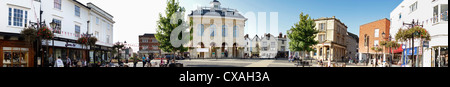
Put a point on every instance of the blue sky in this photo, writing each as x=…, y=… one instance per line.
x=352, y=13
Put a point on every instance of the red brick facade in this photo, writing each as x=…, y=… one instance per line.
x=151, y=42
x=369, y=30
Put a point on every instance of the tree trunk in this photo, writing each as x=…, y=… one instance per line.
x=421, y=51
x=392, y=57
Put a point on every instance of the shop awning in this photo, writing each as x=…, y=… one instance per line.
x=398, y=50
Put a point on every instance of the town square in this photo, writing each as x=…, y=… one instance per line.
x=224, y=33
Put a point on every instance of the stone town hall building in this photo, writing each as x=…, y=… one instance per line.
x=218, y=32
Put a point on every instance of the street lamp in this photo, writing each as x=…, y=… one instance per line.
x=53, y=25
x=416, y=33
x=38, y=41
x=385, y=39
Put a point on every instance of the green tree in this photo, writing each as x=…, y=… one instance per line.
x=118, y=46
x=167, y=24
x=390, y=45
x=302, y=34
x=376, y=49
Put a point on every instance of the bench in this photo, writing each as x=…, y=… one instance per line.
x=302, y=63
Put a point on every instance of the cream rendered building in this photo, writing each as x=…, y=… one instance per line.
x=331, y=37
x=269, y=46
x=218, y=32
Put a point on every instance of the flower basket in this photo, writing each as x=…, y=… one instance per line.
x=92, y=41
x=45, y=33
x=87, y=40
x=83, y=40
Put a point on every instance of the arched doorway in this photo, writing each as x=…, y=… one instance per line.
x=213, y=49
x=201, y=54
x=223, y=49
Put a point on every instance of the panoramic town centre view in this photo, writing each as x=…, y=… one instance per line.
x=224, y=33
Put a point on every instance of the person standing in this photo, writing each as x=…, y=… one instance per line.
x=68, y=62
x=149, y=60
x=143, y=61
x=135, y=60
x=59, y=62
x=50, y=61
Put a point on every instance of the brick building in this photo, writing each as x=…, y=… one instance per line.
x=373, y=31
x=148, y=45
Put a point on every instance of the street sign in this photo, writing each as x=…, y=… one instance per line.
x=426, y=44
x=202, y=50
x=72, y=45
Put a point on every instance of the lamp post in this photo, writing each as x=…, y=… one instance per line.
x=126, y=52
x=38, y=41
x=385, y=39
x=416, y=33
x=54, y=27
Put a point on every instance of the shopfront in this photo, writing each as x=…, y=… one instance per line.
x=100, y=54
x=417, y=57
x=15, y=53
x=440, y=56
x=65, y=50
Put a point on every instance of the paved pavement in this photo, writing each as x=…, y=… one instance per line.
x=243, y=63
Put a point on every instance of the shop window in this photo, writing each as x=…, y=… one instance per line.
x=15, y=57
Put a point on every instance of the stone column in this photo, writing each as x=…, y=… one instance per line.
x=317, y=51
x=324, y=53
x=331, y=53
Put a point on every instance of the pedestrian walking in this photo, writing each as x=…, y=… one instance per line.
x=68, y=62
x=149, y=60
x=135, y=62
x=143, y=61
x=59, y=62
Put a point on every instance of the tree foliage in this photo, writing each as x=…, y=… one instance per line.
x=377, y=49
x=303, y=34
x=404, y=35
x=165, y=27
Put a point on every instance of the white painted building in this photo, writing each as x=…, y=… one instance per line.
x=252, y=49
x=433, y=15
x=282, y=48
x=269, y=46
